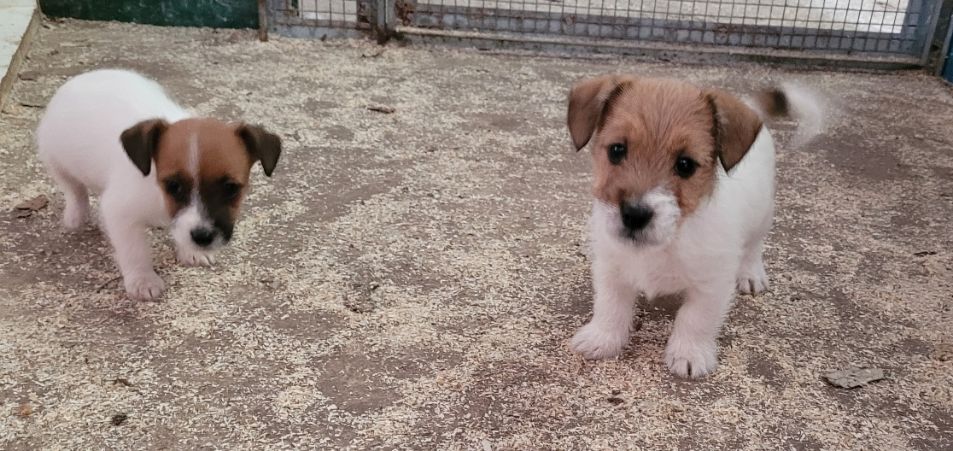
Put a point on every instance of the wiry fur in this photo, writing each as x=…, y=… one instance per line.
x=706, y=236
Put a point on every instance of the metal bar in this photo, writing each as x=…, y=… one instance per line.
x=263, y=20
x=945, y=52
x=928, y=33
x=385, y=20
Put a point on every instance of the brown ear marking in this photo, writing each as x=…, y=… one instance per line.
x=263, y=146
x=589, y=102
x=141, y=141
x=734, y=127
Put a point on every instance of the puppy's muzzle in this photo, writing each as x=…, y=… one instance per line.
x=202, y=237
x=635, y=216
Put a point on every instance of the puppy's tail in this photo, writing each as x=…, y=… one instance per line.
x=795, y=102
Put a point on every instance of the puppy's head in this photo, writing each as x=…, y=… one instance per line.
x=202, y=167
x=656, y=147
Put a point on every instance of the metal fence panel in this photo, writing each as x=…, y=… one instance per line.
x=900, y=28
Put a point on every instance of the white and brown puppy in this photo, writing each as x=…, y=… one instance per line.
x=117, y=134
x=683, y=187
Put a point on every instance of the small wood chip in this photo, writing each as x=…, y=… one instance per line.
x=374, y=54
x=37, y=203
x=382, y=109
x=118, y=419
x=615, y=400
x=24, y=410
x=26, y=208
x=122, y=381
x=924, y=253
x=943, y=352
x=106, y=283
x=854, y=377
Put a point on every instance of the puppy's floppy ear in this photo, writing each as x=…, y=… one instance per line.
x=586, y=103
x=263, y=146
x=141, y=141
x=734, y=127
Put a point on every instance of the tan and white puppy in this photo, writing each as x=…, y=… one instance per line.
x=684, y=188
x=117, y=134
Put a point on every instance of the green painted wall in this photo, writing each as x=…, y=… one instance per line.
x=191, y=13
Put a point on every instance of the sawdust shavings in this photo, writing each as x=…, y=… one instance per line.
x=374, y=54
x=484, y=270
x=360, y=298
x=943, y=352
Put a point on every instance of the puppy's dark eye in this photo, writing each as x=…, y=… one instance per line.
x=685, y=167
x=174, y=188
x=231, y=190
x=617, y=153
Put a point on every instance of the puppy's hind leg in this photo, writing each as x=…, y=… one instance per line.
x=76, y=210
x=752, y=278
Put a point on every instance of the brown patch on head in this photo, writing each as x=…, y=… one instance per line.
x=586, y=102
x=642, y=127
x=736, y=126
x=649, y=133
x=140, y=143
x=206, y=156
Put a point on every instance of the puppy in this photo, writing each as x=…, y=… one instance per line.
x=684, y=188
x=116, y=134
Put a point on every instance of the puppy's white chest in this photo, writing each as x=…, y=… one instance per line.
x=654, y=273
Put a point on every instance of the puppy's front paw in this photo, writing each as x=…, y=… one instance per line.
x=144, y=287
x=595, y=341
x=192, y=257
x=753, y=280
x=686, y=358
x=73, y=219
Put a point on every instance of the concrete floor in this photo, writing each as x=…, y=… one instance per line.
x=410, y=280
x=16, y=23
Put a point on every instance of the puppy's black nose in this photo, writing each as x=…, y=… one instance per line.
x=203, y=237
x=635, y=217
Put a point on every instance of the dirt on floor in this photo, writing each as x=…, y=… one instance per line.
x=411, y=279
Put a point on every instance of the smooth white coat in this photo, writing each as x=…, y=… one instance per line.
x=716, y=249
x=78, y=141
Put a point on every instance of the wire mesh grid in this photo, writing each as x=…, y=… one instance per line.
x=888, y=26
x=321, y=13
x=880, y=27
